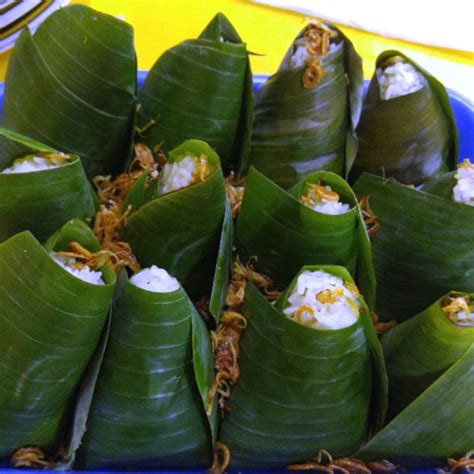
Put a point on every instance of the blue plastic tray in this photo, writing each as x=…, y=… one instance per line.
x=464, y=115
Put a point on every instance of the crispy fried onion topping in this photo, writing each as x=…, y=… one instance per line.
x=382, y=327
x=225, y=345
x=226, y=338
x=324, y=462
x=372, y=222
x=115, y=189
x=317, y=192
x=221, y=459
x=240, y=276
x=31, y=457
x=318, y=37
x=235, y=193
x=110, y=219
x=459, y=309
x=464, y=464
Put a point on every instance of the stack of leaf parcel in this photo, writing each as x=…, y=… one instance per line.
x=192, y=279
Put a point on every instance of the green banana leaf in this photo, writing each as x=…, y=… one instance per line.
x=180, y=231
x=148, y=409
x=410, y=138
x=72, y=85
x=42, y=201
x=420, y=350
x=201, y=88
x=441, y=186
x=82, y=404
x=424, y=248
x=284, y=234
x=50, y=322
x=437, y=425
x=223, y=266
x=297, y=131
x=301, y=389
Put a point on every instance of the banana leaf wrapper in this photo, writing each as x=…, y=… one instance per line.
x=42, y=201
x=410, y=138
x=302, y=389
x=201, y=88
x=441, y=186
x=297, y=131
x=284, y=234
x=180, y=231
x=435, y=426
x=149, y=406
x=420, y=350
x=423, y=249
x=77, y=88
x=51, y=323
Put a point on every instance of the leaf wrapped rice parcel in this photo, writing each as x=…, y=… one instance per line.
x=52, y=313
x=307, y=370
x=317, y=222
x=421, y=349
x=430, y=364
x=423, y=246
x=305, y=114
x=148, y=409
x=77, y=88
x=41, y=191
x=201, y=88
x=179, y=227
x=407, y=129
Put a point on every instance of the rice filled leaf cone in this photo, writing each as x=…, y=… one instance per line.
x=51, y=321
x=421, y=349
x=148, y=410
x=407, y=129
x=304, y=387
x=306, y=113
x=179, y=230
x=286, y=230
x=435, y=426
x=42, y=190
x=77, y=88
x=201, y=88
x=424, y=246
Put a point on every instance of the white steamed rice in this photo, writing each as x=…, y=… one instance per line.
x=322, y=301
x=30, y=164
x=327, y=206
x=178, y=175
x=155, y=279
x=463, y=192
x=398, y=79
x=84, y=273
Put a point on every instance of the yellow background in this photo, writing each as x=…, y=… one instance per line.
x=160, y=24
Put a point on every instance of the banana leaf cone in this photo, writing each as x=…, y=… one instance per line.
x=423, y=246
x=306, y=113
x=42, y=201
x=277, y=229
x=412, y=137
x=149, y=406
x=421, y=349
x=51, y=322
x=430, y=363
x=201, y=88
x=77, y=88
x=302, y=389
x=180, y=230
